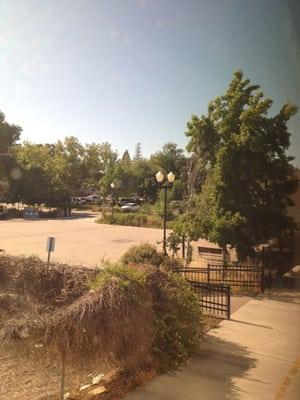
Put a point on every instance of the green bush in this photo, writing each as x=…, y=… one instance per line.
x=177, y=319
x=13, y=212
x=172, y=307
x=124, y=274
x=144, y=253
x=130, y=219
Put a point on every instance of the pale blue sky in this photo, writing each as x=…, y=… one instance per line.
x=128, y=71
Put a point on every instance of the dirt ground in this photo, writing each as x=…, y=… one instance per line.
x=25, y=377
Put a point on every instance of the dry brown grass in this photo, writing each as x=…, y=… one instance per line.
x=117, y=319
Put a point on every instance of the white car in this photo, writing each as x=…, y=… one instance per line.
x=130, y=207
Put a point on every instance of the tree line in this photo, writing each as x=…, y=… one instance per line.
x=236, y=182
x=52, y=173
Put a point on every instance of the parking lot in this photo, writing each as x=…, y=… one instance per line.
x=79, y=240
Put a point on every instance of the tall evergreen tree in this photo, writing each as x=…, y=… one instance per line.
x=126, y=156
x=138, y=152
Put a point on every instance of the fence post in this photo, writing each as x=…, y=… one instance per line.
x=262, y=282
x=228, y=302
x=208, y=273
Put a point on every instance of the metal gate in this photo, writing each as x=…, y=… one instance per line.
x=214, y=298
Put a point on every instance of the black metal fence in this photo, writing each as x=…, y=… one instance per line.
x=214, y=299
x=242, y=279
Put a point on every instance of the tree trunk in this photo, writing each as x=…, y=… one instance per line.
x=183, y=247
x=225, y=260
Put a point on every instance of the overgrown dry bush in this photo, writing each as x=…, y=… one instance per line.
x=140, y=318
x=30, y=276
x=114, y=318
x=175, y=307
x=3, y=275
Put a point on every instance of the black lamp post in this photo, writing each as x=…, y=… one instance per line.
x=112, y=185
x=170, y=179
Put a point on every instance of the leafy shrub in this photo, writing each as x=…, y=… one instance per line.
x=177, y=319
x=170, y=304
x=13, y=212
x=173, y=242
x=124, y=274
x=144, y=253
x=130, y=219
x=172, y=263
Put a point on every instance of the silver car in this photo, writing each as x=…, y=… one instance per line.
x=130, y=207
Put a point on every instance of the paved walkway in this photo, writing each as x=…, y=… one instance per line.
x=255, y=355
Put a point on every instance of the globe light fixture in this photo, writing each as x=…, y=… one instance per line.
x=159, y=177
x=170, y=179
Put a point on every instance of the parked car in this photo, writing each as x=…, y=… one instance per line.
x=3, y=212
x=83, y=200
x=130, y=207
x=125, y=200
x=94, y=199
x=78, y=201
x=31, y=213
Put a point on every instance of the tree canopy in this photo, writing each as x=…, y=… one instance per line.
x=52, y=173
x=9, y=135
x=248, y=181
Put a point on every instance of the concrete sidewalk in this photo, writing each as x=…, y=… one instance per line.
x=255, y=355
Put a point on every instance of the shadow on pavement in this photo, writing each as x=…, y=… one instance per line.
x=212, y=374
x=250, y=323
x=283, y=295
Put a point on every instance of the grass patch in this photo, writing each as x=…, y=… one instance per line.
x=131, y=219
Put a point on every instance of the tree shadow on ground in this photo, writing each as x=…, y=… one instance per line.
x=212, y=374
x=282, y=295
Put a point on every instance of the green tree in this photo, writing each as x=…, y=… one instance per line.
x=42, y=179
x=9, y=135
x=93, y=166
x=126, y=157
x=69, y=155
x=249, y=178
x=170, y=158
x=144, y=172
